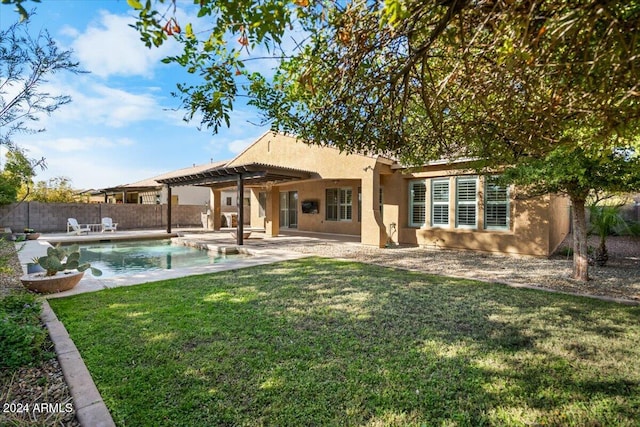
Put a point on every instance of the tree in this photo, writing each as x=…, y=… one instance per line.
x=25, y=63
x=55, y=190
x=19, y=7
x=249, y=24
x=18, y=171
x=16, y=177
x=545, y=90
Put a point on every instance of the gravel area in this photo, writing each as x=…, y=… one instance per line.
x=619, y=279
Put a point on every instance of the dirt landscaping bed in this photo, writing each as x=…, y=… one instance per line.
x=40, y=389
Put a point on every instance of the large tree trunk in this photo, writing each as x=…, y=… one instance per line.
x=580, y=248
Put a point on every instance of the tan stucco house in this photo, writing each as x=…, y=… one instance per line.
x=293, y=185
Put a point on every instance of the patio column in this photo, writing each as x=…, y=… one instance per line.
x=215, y=219
x=168, y=209
x=240, y=205
x=272, y=213
x=372, y=230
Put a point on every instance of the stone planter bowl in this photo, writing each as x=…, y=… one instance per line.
x=38, y=282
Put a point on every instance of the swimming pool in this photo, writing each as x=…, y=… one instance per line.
x=133, y=257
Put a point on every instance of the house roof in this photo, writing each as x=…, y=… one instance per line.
x=251, y=173
x=381, y=158
x=154, y=183
x=221, y=175
x=439, y=162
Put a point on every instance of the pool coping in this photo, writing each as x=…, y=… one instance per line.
x=259, y=256
x=106, y=237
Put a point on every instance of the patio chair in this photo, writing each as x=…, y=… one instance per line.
x=76, y=228
x=108, y=224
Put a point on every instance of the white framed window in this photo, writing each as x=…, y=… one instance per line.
x=440, y=202
x=467, y=202
x=339, y=202
x=496, y=205
x=331, y=204
x=417, y=203
x=346, y=204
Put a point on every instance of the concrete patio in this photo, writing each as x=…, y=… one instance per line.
x=619, y=281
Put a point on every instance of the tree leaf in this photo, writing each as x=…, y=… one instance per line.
x=135, y=4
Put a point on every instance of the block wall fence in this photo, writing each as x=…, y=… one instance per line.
x=631, y=212
x=52, y=217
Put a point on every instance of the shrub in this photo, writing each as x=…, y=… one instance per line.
x=564, y=251
x=634, y=227
x=21, y=334
x=6, y=252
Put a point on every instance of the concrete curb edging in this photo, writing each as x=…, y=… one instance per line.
x=90, y=408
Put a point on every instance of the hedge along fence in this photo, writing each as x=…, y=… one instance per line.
x=52, y=217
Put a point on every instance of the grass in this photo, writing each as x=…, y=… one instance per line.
x=325, y=342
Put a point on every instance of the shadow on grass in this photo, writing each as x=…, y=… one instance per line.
x=321, y=342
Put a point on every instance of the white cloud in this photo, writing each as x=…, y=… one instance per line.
x=42, y=146
x=237, y=145
x=86, y=144
x=110, y=46
x=97, y=104
x=93, y=174
x=69, y=31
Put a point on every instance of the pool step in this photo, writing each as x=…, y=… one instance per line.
x=206, y=246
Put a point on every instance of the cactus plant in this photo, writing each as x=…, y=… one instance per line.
x=60, y=259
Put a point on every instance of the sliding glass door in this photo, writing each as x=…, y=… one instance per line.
x=289, y=209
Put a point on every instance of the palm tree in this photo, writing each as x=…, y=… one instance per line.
x=605, y=220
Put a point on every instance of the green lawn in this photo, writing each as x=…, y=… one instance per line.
x=320, y=342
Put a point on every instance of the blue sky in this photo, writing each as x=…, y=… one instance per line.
x=121, y=125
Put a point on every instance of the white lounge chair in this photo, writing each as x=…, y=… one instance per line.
x=108, y=224
x=76, y=228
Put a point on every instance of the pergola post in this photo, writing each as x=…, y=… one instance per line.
x=168, y=209
x=214, y=209
x=240, y=205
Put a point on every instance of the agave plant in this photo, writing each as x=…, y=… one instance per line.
x=60, y=259
x=605, y=220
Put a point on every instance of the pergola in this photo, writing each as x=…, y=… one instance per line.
x=238, y=175
x=124, y=189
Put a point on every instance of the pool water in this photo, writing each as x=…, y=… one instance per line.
x=134, y=257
